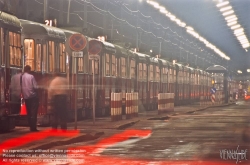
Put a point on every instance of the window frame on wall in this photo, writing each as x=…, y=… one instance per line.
x=14, y=49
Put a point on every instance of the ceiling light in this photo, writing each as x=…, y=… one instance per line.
x=242, y=37
x=189, y=28
x=235, y=27
x=246, y=45
x=225, y=8
x=238, y=30
x=232, y=23
x=232, y=19
x=239, y=34
x=248, y=70
x=222, y=4
x=228, y=12
x=239, y=71
x=243, y=41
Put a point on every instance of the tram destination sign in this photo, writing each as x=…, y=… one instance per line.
x=77, y=54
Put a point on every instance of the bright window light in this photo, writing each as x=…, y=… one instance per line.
x=228, y=12
x=232, y=23
x=222, y=4
x=225, y=8
x=235, y=27
x=232, y=19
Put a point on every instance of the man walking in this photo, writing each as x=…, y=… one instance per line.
x=57, y=93
x=15, y=93
x=30, y=95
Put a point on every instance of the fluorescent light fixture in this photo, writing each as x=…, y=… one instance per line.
x=225, y=8
x=238, y=30
x=189, y=28
x=222, y=4
x=164, y=11
x=232, y=23
x=248, y=70
x=239, y=34
x=239, y=71
x=235, y=27
x=232, y=19
x=228, y=12
x=242, y=37
x=246, y=45
x=243, y=41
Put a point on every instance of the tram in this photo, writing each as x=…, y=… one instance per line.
x=118, y=69
x=10, y=64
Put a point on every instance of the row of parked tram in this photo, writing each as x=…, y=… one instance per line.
x=118, y=69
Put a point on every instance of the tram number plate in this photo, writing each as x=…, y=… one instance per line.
x=77, y=54
x=94, y=57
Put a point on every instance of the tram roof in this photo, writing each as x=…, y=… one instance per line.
x=216, y=69
x=123, y=52
x=142, y=57
x=9, y=19
x=164, y=62
x=106, y=45
x=32, y=28
x=154, y=60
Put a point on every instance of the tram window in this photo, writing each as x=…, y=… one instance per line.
x=11, y=38
x=62, y=59
x=18, y=40
x=38, y=57
x=80, y=64
x=113, y=65
x=44, y=62
x=96, y=67
x=132, y=69
x=144, y=74
x=3, y=47
x=123, y=67
x=140, y=71
x=157, y=73
x=51, y=56
x=29, y=52
x=170, y=76
x=107, y=65
x=151, y=74
x=165, y=74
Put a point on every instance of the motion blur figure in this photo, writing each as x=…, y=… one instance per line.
x=29, y=91
x=57, y=93
x=15, y=92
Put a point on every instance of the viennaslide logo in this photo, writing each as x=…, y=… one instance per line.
x=233, y=154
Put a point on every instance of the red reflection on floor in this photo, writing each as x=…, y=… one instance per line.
x=35, y=136
x=91, y=153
